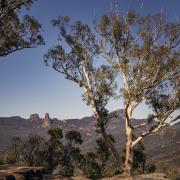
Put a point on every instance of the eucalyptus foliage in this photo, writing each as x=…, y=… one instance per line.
x=16, y=31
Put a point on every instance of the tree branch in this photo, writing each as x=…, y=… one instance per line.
x=155, y=128
x=17, y=49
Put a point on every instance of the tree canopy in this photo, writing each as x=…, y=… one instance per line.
x=17, y=32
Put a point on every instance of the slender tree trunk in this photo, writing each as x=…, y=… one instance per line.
x=111, y=147
x=99, y=118
x=107, y=138
x=129, y=148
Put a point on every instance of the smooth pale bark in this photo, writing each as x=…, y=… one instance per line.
x=129, y=149
x=129, y=152
x=127, y=167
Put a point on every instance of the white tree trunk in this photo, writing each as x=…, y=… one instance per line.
x=128, y=153
x=129, y=148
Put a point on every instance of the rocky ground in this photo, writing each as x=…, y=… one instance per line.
x=151, y=176
x=37, y=173
x=21, y=173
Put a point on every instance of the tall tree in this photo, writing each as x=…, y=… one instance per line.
x=16, y=32
x=143, y=51
x=77, y=63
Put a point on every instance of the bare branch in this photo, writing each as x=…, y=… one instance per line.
x=155, y=128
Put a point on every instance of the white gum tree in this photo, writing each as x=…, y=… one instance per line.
x=142, y=50
x=145, y=53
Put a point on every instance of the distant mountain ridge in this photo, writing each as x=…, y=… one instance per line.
x=162, y=145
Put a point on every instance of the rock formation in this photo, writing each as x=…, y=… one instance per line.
x=34, y=117
x=46, y=121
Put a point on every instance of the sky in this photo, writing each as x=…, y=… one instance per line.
x=28, y=86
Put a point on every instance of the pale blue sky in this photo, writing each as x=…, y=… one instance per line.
x=28, y=86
